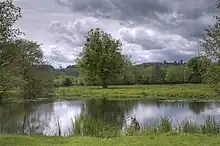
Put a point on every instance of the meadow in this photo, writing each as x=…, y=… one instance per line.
x=162, y=92
x=170, y=92
x=152, y=139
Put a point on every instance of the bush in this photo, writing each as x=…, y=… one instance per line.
x=67, y=82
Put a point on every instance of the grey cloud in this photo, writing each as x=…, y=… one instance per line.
x=73, y=33
x=177, y=55
x=177, y=23
x=150, y=12
x=132, y=9
x=142, y=38
x=58, y=56
x=192, y=28
x=193, y=9
x=126, y=9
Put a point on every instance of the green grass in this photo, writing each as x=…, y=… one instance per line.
x=209, y=135
x=151, y=139
x=168, y=92
x=102, y=129
x=196, y=92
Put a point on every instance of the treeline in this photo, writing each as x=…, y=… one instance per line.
x=176, y=72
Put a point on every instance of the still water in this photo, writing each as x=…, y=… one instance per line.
x=45, y=117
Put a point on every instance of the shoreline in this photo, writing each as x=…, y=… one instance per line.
x=161, y=93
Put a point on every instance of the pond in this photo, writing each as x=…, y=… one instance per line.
x=58, y=117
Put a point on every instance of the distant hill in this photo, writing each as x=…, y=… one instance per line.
x=162, y=64
x=72, y=71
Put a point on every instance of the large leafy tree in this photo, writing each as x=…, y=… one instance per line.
x=20, y=60
x=29, y=62
x=210, y=45
x=175, y=74
x=196, y=69
x=9, y=14
x=101, y=60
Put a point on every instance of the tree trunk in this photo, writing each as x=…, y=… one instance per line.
x=104, y=84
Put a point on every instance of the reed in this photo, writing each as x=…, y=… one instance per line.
x=96, y=128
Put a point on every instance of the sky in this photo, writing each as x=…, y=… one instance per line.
x=150, y=30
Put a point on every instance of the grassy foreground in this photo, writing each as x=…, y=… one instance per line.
x=151, y=139
x=169, y=92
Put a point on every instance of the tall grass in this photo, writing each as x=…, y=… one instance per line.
x=88, y=126
x=188, y=126
x=165, y=125
x=95, y=127
x=210, y=126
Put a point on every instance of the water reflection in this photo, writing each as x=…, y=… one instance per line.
x=63, y=115
x=176, y=111
x=57, y=118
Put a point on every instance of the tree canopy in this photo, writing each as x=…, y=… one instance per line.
x=19, y=58
x=101, y=60
x=210, y=45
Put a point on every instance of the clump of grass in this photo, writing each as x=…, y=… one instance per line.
x=188, y=126
x=210, y=125
x=165, y=125
x=100, y=128
x=162, y=125
x=95, y=127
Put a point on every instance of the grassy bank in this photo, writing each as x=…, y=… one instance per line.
x=161, y=92
x=151, y=139
x=169, y=92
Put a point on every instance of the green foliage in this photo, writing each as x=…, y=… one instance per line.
x=168, y=139
x=172, y=92
x=38, y=83
x=9, y=14
x=37, y=80
x=8, y=80
x=210, y=45
x=67, y=82
x=96, y=128
x=189, y=127
x=154, y=73
x=210, y=126
x=165, y=125
x=20, y=59
x=197, y=69
x=101, y=60
x=213, y=77
x=175, y=74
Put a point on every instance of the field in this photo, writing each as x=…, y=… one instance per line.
x=195, y=92
x=151, y=139
x=168, y=92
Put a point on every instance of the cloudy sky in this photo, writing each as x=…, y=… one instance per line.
x=150, y=30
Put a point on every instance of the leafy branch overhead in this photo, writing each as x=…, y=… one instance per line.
x=19, y=59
